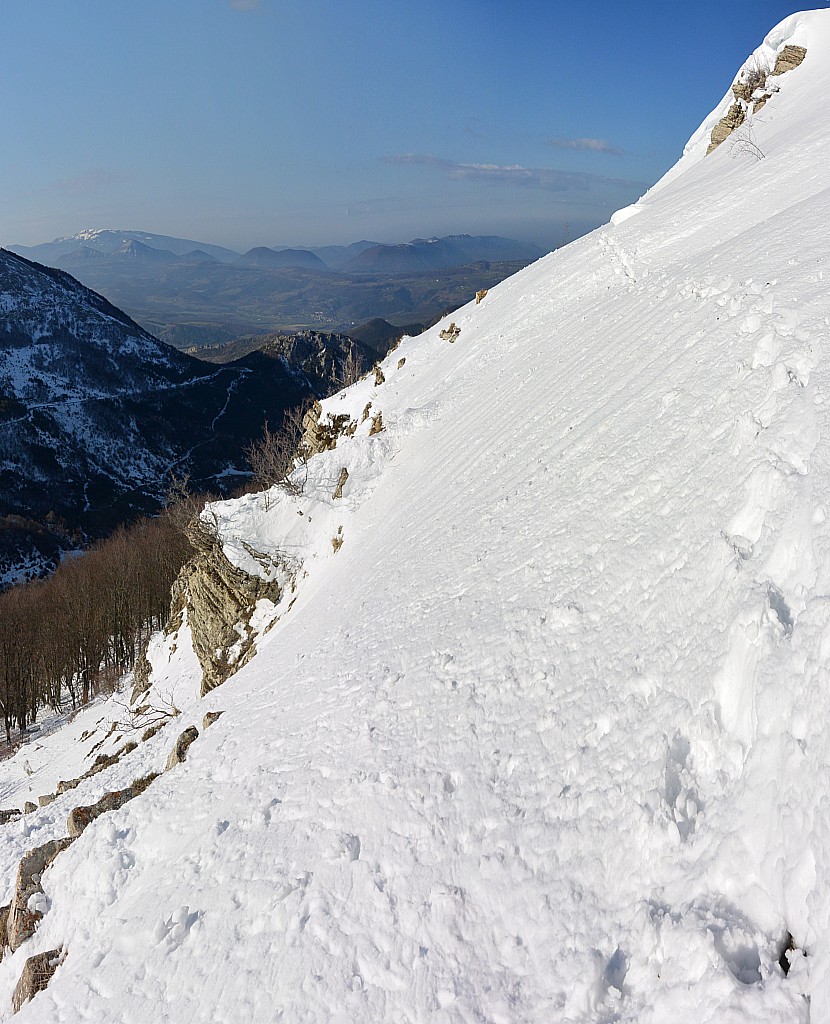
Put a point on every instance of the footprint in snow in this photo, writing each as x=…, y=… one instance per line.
x=174, y=929
x=680, y=792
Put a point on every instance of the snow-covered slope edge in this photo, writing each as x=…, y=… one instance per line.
x=797, y=30
x=545, y=737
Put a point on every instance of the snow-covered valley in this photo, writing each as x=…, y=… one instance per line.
x=538, y=729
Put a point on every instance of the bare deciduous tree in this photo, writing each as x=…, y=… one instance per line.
x=274, y=457
x=78, y=631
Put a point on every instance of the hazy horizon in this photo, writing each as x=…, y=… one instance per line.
x=250, y=122
x=286, y=245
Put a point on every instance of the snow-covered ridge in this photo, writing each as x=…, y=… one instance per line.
x=799, y=29
x=41, y=309
x=74, y=372
x=544, y=736
x=107, y=240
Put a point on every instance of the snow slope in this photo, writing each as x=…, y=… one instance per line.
x=546, y=738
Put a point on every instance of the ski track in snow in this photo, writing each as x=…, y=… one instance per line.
x=546, y=740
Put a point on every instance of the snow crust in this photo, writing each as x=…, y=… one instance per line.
x=546, y=737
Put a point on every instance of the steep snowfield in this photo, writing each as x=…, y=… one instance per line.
x=546, y=739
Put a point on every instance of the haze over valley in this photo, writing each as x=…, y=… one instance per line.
x=193, y=293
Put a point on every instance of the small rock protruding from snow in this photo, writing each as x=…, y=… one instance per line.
x=341, y=483
x=24, y=913
x=80, y=817
x=179, y=751
x=210, y=718
x=37, y=973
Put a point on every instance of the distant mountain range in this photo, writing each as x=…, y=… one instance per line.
x=193, y=293
x=363, y=256
x=264, y=257
x=97, y=416
x=108, y=241
x=439, y=254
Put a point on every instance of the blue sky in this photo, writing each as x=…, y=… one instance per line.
x=266, y=122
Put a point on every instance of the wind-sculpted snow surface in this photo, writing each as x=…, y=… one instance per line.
x=544, y=736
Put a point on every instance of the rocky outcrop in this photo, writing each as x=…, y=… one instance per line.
x=80, y=817
x=141, y=677
x=742, y=90
x=752, y=90
x=450, y=333
x=341, y=483
x=20, y=918
x=732, y=119
x=28, y=903
x=37, y=973
x=4, y=929
x=790, y=57
x=101, y=762
x=320, y=435
x=179, y=751
x=9, y=815
x=220, y=600
x=210, y=718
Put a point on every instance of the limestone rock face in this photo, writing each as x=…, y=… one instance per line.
x=752, y=89
x=37, y=973
x=4, y=929
x=23, y=919
x=732, y=119
x=320, y=435
x=179, y=752
x=80, y=817
x=341, y=483
x=9, y=815
x=141, y=677
x=220, y=600
x=790, y=57
x=210, y=718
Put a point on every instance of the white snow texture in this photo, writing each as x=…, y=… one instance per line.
x=546, y=739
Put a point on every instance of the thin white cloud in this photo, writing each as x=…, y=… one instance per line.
x=512, y=174
x=587, y=145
